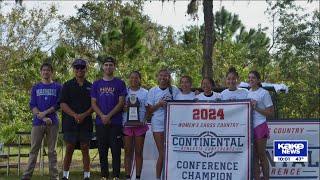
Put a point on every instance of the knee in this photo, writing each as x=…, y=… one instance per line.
x=128, y=152
x=161, y=154
x=138, y=154
x=70, y=148
x=84, y=147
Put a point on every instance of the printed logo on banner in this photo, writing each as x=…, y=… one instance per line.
x=290, y=150
x=207, y=143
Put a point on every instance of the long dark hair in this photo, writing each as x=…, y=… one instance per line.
x=257, y=75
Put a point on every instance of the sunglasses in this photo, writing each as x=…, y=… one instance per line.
x=79, y=67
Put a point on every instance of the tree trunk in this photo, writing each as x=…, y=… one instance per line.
x=208, y=41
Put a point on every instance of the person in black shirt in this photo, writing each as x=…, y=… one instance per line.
x=76, y=117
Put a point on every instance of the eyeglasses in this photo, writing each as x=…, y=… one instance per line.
x=79, y=67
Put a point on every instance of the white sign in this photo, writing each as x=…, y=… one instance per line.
x=208, y=140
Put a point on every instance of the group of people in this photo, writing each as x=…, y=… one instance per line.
x=108, y=97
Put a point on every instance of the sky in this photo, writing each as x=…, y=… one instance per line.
x=251, y=13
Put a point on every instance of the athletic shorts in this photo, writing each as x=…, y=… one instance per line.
x=79, y=136
x=157, y=126
x=261, y=131
x=135, y=131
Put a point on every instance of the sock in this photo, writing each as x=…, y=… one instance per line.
x=66, y=174
x=86, y=174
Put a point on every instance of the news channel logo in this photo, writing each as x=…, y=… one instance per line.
x=290, y=150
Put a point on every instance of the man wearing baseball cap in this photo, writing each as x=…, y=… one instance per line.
x=107, y=99
x=76, y=117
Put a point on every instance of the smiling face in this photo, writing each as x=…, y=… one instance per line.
x=79, y=71
x=46, y=72
x=232, y=81
x=254, y=81
x=134, y=80
x=163, y=78
x=185, y=85
x=108, y=68
x=206, y=86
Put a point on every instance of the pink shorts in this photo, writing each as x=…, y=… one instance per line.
x=135, y=131
x=261, y=131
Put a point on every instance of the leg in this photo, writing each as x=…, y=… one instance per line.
x=52, y=135
x=128, y=140
x=68, y=157
x=159, y=139
x=256, y=164
x=115, y=144
x=85, y=156
x=37, y=134
x=261, y=151
x=102, y=138
x=139, y=142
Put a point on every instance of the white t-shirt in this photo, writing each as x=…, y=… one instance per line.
x=154, y=96
x=239, y=93
x=264, y=101
x=142, y=95
x=189, y=96
x=215, y=96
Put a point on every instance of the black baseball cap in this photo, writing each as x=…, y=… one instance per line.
x=105, y=59
x=79, y=62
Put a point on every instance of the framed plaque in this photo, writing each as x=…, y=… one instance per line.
x=133, y=111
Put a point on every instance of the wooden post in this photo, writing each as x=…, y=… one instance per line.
x=19, y=154
x=8, y=160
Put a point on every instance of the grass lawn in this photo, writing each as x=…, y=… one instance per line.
x=75, y=169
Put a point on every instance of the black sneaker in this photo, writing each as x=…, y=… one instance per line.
x=86, y=178
x=64, y=178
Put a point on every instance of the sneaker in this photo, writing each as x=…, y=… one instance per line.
x=86, y=178
x=103, y=178
x=64, y=178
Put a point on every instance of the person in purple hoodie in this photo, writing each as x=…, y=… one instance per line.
x=107, y=100
x=44, y=103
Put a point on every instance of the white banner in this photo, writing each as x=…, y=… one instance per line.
x=295, y=130
x=208, y=141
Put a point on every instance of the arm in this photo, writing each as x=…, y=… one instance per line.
x=65, y=108
x=153, y=108
x=268, y=112
x=95, y=107
x=118, y=107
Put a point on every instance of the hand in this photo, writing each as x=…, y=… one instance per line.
x=106, y=119
x=47, y=120
x=162, y=103
x=254, y=104
x=41, y=115
x=125, y=107
x=79, y=118
x=196, y=92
